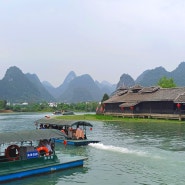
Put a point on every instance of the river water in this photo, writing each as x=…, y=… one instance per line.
x=129, y=153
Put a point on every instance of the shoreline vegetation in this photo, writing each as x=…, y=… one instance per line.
x=109, y=118
x=94, y=117
x=6, y=111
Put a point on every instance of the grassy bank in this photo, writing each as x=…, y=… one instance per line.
x=93, y=117
x=6, y=111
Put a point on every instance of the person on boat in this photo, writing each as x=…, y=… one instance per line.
x=64, y=130
x=79, y=133
x=46, y=144
x=70, y=132
x=41, y=126
x=45, y=126
x=52, y=144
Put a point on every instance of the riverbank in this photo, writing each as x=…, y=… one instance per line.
x=94, y=117
x=6, y=111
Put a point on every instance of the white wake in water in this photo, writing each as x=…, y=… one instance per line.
x=117, y=149
x=123, y=150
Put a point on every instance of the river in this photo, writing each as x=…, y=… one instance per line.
x=129, y=153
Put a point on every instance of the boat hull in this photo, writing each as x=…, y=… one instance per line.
x=25, y=172
x=76, y=142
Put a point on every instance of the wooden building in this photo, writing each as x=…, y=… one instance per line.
x=146, y=100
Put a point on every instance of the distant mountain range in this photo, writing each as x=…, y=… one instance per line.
x=151, y=77
x=19, y=87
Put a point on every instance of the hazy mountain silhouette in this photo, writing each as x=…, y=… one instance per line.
x=16, y=87
x=125, y=81
x=42, y=90
x=151, y=77
x=81, y=89
x=19, y=87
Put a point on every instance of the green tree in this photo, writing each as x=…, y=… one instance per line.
x=3, y=104
x=105, y=97
x=165, y=82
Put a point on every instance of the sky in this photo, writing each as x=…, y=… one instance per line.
x=102, y=38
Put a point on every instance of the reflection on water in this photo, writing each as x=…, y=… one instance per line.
x=51, y=178
x=18, y=121
x=72, y=150
x=167, y=136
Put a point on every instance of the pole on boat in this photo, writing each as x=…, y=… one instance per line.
x=65, y=142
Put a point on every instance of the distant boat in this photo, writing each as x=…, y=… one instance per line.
x=57, y=112
x=75, y=130
x=63, y=113
x=68, y=113
x=23, y=157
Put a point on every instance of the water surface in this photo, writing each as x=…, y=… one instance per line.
x=129, y=153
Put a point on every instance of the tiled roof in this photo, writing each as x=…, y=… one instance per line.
x=149, y=94
x=180, y=99
x=149, y=89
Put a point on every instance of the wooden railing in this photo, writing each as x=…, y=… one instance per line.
x=179, y=117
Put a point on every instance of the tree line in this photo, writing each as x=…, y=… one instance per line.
x=45, y=107
x=164, y=82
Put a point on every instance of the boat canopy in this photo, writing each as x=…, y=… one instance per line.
x=30, y=135
x=61, y=122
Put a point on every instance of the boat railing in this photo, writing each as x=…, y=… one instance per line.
x=7, y=164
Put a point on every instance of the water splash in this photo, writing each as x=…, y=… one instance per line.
x=117, y=149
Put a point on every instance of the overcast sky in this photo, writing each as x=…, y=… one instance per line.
x=102, y=38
